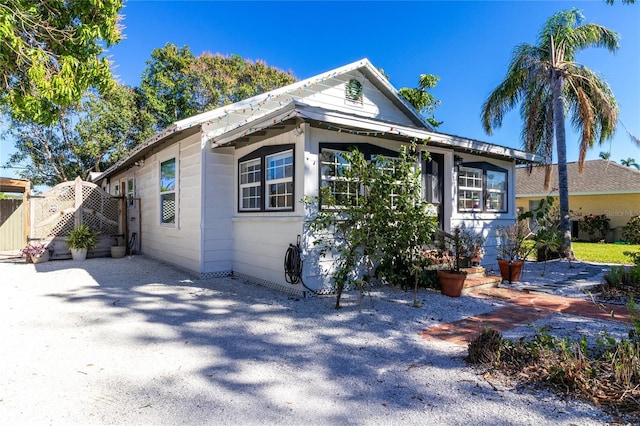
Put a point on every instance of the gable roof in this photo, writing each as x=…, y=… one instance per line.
x=257, y=106
x=305, y=99
x=598, y=177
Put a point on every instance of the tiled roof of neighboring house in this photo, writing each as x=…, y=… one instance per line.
x=598, y=176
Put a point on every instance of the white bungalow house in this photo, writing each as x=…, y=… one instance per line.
x=220, y=193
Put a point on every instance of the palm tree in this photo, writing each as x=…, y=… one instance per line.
x=547, y=82
x=605, y=155
x=630, y=162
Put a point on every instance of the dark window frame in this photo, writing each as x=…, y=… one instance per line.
x=485, y=167
x=367, y=149
x=262, y=154
x=164, y=192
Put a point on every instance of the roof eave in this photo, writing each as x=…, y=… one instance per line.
x=368, y=125
x=140, y=151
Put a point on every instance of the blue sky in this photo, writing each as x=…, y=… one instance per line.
x=467, y=44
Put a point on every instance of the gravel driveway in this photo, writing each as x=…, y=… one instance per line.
x=134, y=341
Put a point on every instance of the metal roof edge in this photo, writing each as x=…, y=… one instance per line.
x=475, y=144
x=275, y=116
x=409, y=132
x=205, y=116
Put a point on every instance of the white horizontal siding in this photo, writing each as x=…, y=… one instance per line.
x=260, y=240
x=176, y=245
x=218, y=207
x=375, y=104
x=260, y=244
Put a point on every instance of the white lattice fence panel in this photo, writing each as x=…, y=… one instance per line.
x=52, y=213
x=100, y=212
x=69, y=204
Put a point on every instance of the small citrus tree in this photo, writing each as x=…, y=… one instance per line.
x=383, y=226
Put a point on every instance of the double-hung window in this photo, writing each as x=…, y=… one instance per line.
x=333, y=166
x=496, y=191
x=334, y=183
x=131, y=188
x=168, y=192
x=469, y=189
x=266, y=179
x=250, y=187
x=279, y=180
x=482, y=187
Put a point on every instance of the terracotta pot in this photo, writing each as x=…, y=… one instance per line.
x=510, y=269
x=451, y=284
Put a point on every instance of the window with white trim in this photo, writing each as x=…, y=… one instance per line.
x=250, y=188
x=333, y=167
x=168, y=192
x=279, y=181
x=266, y=179
x=496, y=191
x=131, y=188
x=482, y=187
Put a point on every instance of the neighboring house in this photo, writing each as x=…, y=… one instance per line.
x=221, y=192
x=604, y=187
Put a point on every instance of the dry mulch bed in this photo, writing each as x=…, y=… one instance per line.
x=608, y=376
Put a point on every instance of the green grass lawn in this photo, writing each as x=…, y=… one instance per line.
x=603, y=253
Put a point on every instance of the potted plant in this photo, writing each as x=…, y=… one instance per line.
x=452, y=278
x=80, y=240
x=36, y=253
x=118, y=250
x=471, y=247
x=512, y=250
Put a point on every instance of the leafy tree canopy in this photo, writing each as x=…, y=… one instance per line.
x=166, y=89
x=222, y=80
x=89, y=137
x=176, y=84
x=421, y=99
x=51, y=53
x=94, y=134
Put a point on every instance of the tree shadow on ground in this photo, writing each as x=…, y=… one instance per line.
x=179, y=350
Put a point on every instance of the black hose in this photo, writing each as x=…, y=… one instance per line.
x=293, y=266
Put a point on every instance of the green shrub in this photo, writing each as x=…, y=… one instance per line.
x=596, y=226
x=385, y=225
x=634, y=256
x=631, y=231
x=620, y=277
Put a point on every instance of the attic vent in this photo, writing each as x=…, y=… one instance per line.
x=353, y=91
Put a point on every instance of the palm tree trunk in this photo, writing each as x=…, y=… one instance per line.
x=557, y=83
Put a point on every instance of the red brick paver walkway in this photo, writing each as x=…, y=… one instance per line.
x=525, y=308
